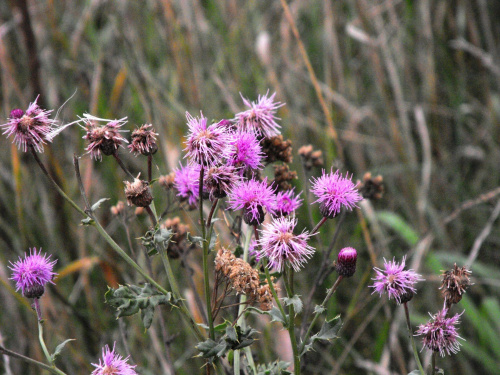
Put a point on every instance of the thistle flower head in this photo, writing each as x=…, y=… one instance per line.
x=32, y=273
x=205, y=145
x=113, y=364
x=440, y=334
x=187, y=183
x=138, y=193
x=103, y=139
x=144, y=141
x=253, y=197
x=394, y=280
x=261, y=116
x=455, y=282
x=32, y=128
x=287, y=202
x=281, y=247
x=334, y=192
x=244, y=151
x=346, y=262
x=218, y=181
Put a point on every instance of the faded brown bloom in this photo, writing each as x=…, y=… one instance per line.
x=167, y=181
x=138, y=193
x=282, y=177
x=455, y=283
x=178, y=243
x=277, y=149
x=310, y=158
x=371, y=187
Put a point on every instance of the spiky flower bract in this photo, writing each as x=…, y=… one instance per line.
x=113, y=364
x=440, y=334
x=287, y=202
x=138, y=193
x=245, y=151
x=334, y=192
x=187, y=183
x=103, y=139
x=205, y=145
x=281, y=247
x=346, y=262
x=261, y=116
x=218, y=181
x=32, y=128
x=32, y=273
x=253, y=197
x=394, y=280
x=144, y=140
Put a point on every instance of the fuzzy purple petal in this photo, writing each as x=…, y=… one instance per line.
x=34, y=270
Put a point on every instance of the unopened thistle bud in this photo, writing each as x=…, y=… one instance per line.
x=119, y=209
x=455, y=283
x=346, y=262
x=371, y=187
x=282, y=177
x=277, y=149
x=138, y=193
x=310, y=158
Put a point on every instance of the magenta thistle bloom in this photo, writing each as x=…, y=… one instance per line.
x=394, y=280
x=253, y=250
x=218, y=181
x=440, y=334
x=103, y=139
x=113, y=364
x=346, y=262
x=187, y=183
x=245, y=151
x=32, y=273
x=32, y=128
x=253, y=197
x=334, y=192
x=261, y=116
x=287, y=202
x=144, y=140
x=280, y=246
x=206, y=145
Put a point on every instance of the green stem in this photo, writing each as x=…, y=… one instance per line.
x=275, y=295
x=53, y=370
x=42, y=343
x=410, y=334
x=433, y=363
x=323, y=304
x=291, y=326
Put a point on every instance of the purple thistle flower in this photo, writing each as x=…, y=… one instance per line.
x=260, y=117
x=440, y=334
x=103, y=139
x=187, y=183
x=206, y=145
x=32, y=273
x=32, y=128
x=253, y=250
x=253, y=197
x=394, y=280
x=280, y=246
x=113, y=364
x=287, y=202
x=245, y=151
x=218, y=181
x=144, y=140
x=334, y=192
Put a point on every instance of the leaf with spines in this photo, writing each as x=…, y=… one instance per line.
x=274, y=313
x=329, y=331
x=274, y=368
x=295, y=301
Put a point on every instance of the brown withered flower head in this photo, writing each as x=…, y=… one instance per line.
x=311, y=158
x=455, y=283
x=103, y=139
x=371, y=187
x=282, y=177
x=138, y=193
x=144, y=141
x=243, y=279
x=277, y=149
x=178, y=243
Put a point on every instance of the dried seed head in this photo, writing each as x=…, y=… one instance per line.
x=144, y=140
x=282, y=177
x=277, y=149
x=105, y=139
x=346, y=262
x=455, y=283
x=310, y=158
x=167, y=181
x=371, y=187
x=138, y=193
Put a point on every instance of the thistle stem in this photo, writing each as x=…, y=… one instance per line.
x=150, y=168
x=53, y=370
x=433, y=363
x=122, y=166
x=414, y=347
x=291, y=326
x=321, y=222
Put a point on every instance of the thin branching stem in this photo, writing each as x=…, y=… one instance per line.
x=410, y=335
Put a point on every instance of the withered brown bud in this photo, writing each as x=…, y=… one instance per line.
x=277, y=149
x=167, y=181
x=282, y=177
x=138, y=193
x=119, y=209
x=178, y=243
x=144, y=140
x=371, y=187
x=455, y=283
x=311, y=158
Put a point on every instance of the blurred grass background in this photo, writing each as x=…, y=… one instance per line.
x=405, y=89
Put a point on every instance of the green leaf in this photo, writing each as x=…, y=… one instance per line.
x=295, y=301
x=129, y=300
x=274, y=313
x=398, y=225
x=87, y=221
x=194, y=240
x=97, y=204
x=328, y=332
x=59, y=348
x=274, y=368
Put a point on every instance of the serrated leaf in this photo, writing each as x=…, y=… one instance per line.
x=274, y=313
x=59, y=348
x=274, y=368
x=329, y=330
x=319, y=309
x=163, y=236
x=231, y=334
x=194, y=240
x=129, y=300
x=295, y=301
x=97, y=204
